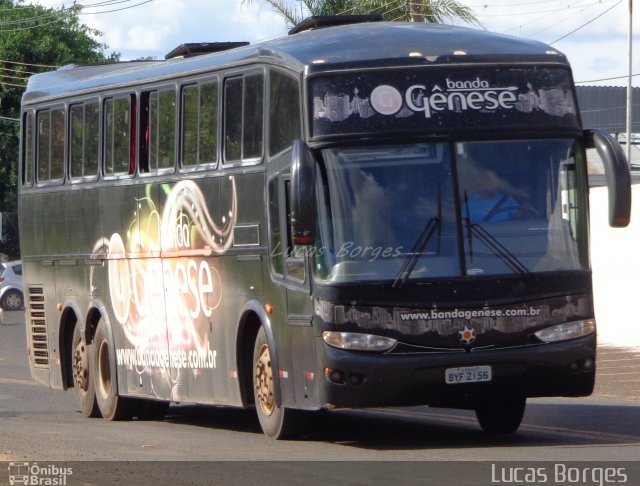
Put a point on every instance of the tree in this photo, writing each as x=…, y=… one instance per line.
x=33, y=39
x=433, y=11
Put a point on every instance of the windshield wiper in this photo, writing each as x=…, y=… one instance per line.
x=491, y=242
x=498, y=249
x=422, y=242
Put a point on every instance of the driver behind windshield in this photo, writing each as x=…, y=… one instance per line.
x=487, y=196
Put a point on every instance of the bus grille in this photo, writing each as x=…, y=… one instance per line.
x=38, y=325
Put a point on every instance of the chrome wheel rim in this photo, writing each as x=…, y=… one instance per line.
x=81, y=366
x=264, y=382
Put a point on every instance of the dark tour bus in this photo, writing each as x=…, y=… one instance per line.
x=361, y=214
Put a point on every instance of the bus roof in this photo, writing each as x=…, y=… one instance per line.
x=363, y=45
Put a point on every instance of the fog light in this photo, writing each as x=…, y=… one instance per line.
x=568, y=330
x=336, y=376
x=588, y=363
x=356, y=379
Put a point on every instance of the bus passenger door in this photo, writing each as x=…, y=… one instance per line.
x=289, y=270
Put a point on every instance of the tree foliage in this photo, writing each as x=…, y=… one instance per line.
x=433, y=11
x=33, y=39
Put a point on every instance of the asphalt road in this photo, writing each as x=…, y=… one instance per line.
x=42, y=424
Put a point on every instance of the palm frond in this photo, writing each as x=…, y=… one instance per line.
x=434, y=11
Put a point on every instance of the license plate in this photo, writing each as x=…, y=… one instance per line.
x=471, y=374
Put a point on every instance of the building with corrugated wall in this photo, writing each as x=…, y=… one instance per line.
x=606, y=107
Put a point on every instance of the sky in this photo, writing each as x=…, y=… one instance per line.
x=592, y=33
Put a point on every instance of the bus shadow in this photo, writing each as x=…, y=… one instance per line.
x=213, y=417
x=424, y=428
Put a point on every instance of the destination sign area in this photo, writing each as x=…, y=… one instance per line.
x=442, y=101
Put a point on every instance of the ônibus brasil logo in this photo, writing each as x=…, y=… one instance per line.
x=476, y=94
x=37, y=475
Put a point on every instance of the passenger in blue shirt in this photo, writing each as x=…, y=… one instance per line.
x=488, y=203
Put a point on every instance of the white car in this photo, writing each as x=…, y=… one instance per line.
x=11, y=290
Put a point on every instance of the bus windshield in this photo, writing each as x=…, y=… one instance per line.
x=420, y=211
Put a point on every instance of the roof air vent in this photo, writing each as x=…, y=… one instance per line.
x=319, y=21
x=198, y=48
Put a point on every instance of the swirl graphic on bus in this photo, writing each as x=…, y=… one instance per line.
x=163, y=288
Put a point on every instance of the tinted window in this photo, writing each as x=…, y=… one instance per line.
x=274, y=220
x=252, y=121
x=244, y=106
x=162, y=129
x=50, y=147
x=190, y=132
x=83, y=151
x=284, y=114
x=233, y=119
x=117, y=144
x=44, y=144
x=29, y=134
x=200, y=124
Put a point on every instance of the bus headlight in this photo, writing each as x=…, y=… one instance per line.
x=568, y=330
x=358, y=342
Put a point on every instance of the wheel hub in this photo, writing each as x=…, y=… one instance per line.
x=13, y=301
x=81, y=366
x=264, y=382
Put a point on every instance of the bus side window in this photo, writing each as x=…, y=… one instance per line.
x=275, y=229
x=44, y=145
x=50, y=145
x=284, y=112
x=161, y=130
x=118, y=124
x=294, y=254
x=27, y=148
x=287, y=259
x=83, y=140
x=243, y=121
x=200, y=124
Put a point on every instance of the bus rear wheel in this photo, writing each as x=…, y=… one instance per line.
x=84, y=391
x=276, y=422
x=111, y=405
x=501, y=416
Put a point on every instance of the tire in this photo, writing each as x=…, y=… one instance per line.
x=105, y=380
x=276, y=422
x=501, y=416
x=81, y=356
x=12, y=300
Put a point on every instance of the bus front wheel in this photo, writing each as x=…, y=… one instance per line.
x=84, y=391
x=276, y=422
x=501, y=416
x=111, y=405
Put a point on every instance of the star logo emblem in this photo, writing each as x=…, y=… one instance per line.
x=467, y=335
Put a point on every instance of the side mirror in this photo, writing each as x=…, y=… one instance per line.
x=302, y=197
x=617, y=173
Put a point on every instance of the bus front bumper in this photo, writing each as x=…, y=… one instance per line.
x=360, y=379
